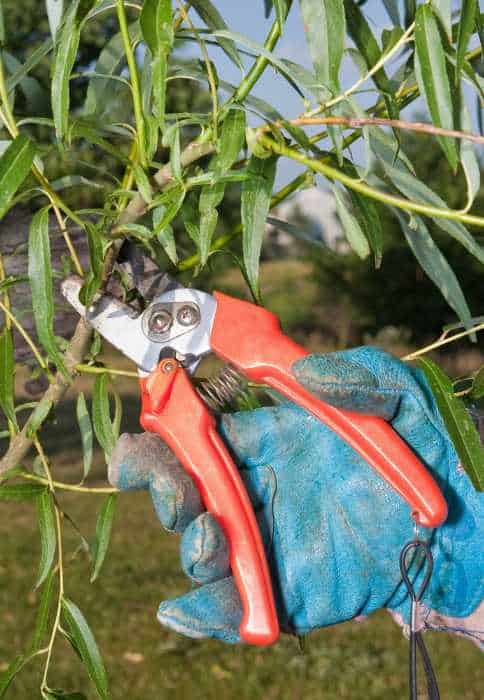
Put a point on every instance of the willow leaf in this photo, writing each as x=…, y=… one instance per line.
x=256, y=199
x=42, y=617
x=432, y=78
x=156, y=21
x=55, y=9
x=458, y=422
x=325, y=26
x=21, y=492
x=40, y=277
x=85, y=643
x=85, y=426
x=7, y=375
x=353, y=232
x=15, y=165
x=46, y=520
x=103, y=533
x=214, y=20
x=466, y=27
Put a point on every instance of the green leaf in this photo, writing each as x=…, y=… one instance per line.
x=468, y=158
x=256, y=199
x=36, y=97
x=466, y=27
x=231, y=142
x=391, y=6
x=414, y=189
x=66, y=46
x=432, y=78
x=21, y=492
x=86, y=644
x=214, y=20
x=435, y=266
x=370, y=221
x=443, y=10
x=458, y=423
x=163, y=215
x=85, y=427
x=40, y=276
x=55, y=8
x=63, y=695
x=281, y=12
x=103, y=534
x=144, y=185
x=351, y=227
x=38, y=416
x=9, y=674
x=15, y=165
x=32, y=62
x=42, y=617
x=478, y=385
x=46, y=519
x=101, y=414
x=156, y=21
x=325, y=27
x=7, y=375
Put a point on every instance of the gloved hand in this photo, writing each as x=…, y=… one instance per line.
x=333, y=529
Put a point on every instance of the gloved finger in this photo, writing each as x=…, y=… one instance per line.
x=144, y=461
x=204, y=550
x=364, y=379
x=213, y=610
x=252, y=435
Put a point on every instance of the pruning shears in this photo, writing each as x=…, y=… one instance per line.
x=166, y=338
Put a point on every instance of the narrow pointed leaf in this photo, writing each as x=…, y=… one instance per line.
x=38, y=416
x=85, y=426
x=231, y=142
x=391, y=6
x=436, y=266
x=101, y=414
x=281, y=11
x=86, y=644
x=46, y=520
x=156, y=21
x=325, y=27
x=478, y=385
x=7, y=375
x=40, y=277
x=42, y=617
x=370, y=222
x=443, y=10
x=214, y=20
x=55, y=8
x=15, y=165
x=458, y=422
x=469, y=160
x=21, y=492
x=9, y=674
x=466, y=27
x=144, y=185
x=103, y=534
x=432, y=78
x=353, y=232
x=256, y=200
x=67, y=45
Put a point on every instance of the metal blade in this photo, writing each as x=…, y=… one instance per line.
x=144, y=273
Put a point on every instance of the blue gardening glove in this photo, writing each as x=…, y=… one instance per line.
x=332, y=528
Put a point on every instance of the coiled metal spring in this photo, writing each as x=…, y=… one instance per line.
x=219, y=391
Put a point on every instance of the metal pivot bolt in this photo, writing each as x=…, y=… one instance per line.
x=188, y=315
x=160, y=321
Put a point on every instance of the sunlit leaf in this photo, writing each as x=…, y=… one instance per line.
x=21, y=492
x=458, y=422
x=468, y=158
x=101, y=414
x=103, y=534
x=351, y=226
x=370, y=221
x=325, y=27
x=230, y=144
x=214, y=20
x=144, y=185
x=86, y=644
x=46, y=520
x=156, y=21
x=15, y=165
x=40, y=277
x=466, y=27
x=55, y=9
x=67, y=44
x=256, y=199
x=443, y=10
x=432, y=77
x=85, y=426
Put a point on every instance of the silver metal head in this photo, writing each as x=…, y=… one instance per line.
x=180, y=319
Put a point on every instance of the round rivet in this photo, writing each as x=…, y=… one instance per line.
x=188, y=315
x=160, y=321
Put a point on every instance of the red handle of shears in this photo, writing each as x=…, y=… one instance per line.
x=250, y=338
x=172, y=409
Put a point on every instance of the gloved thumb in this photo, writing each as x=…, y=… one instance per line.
x=213, y=610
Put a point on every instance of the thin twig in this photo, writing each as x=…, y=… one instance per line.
x=439, y=343
x=13, y=320
x=67, y=487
